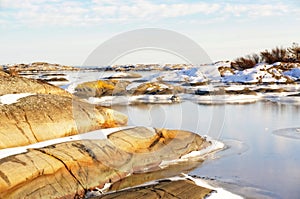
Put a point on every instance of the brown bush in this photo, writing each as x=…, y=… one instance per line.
x=242, y=63
x=275, y=55
x=294, y=52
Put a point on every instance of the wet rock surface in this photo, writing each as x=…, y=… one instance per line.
x=167, y=189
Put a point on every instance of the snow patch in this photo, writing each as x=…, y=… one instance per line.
x=293, y=73
x=13, y=98
x=192, y=75
x=219, y=193
x=93, y=135
x=260, y=73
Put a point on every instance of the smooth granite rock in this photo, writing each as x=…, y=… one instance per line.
x=68, y=170
x=43, y=117
x=10, y=84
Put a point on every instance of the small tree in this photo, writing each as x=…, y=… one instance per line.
x=294, y=51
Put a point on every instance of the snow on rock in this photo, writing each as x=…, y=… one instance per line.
x=93, y=135
x=13, y=98
x=263, y=73
x=293, y=73
x=219, y=193
x=192, y=75
x=203, y=153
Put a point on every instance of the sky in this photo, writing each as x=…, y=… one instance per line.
x=66, y=32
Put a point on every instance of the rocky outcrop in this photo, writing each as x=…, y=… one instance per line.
x=120, y=88
x=101, y=88
x=156, y=88
x=56, y=79
x=69, y=169
x=42, y=117
x=40, y=66
x=123, y=75
x=146, y=67
x=3, y=74
x=10, y=84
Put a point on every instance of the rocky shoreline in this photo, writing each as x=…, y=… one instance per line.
x=57, y=138
x=38, y=125
x=37, y=67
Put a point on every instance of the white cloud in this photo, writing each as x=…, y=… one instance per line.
x=91, y=12
x=257, y=10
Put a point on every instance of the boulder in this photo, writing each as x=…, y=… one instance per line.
x=156, y=88
x=69, y=169
x=42, y=117
x=14, y=84
x=119, y=88
x=101, y=88
x=121, y=75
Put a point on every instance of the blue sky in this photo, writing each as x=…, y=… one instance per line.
x=68, y=31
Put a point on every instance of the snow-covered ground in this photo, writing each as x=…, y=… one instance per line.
x=262, y=73
x=192, y=75
x=293, y=73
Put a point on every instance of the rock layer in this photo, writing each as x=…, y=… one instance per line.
x=101, y=88
x=10, y=84
x=41, y=66
x=42, y=117
x=180, y=189
x=69, y=169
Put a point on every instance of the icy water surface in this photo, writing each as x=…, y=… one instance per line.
x=258, y=160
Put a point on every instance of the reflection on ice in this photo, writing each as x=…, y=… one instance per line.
x=232, y=147
x=293, y=133
x=285, y=100
x=243, y=189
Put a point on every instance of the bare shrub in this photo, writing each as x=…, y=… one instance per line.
x=294, y=52
x=243, y=63
x=275, y=55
